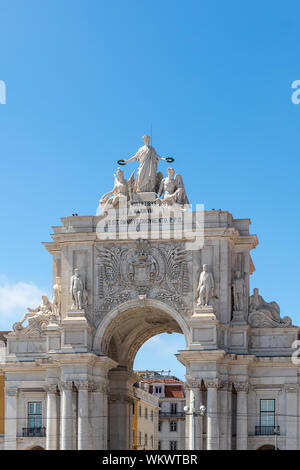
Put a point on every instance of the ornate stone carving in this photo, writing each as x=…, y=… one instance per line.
x=67, y=385
x=265, y=314
x=38, y=319
x=205, y=289
x=51, y=388
x=83, y=385
x=241, y=386
x=154, y=271
x=211, y=383
x=78, y=291
x=172, y=189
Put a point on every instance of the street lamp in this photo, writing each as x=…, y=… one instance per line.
x=276, y=433
x=191, y=411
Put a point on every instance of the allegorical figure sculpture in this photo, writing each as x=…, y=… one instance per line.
x=239, y=287
x=56, y=300
x=122, y=189
x=265, y=314
x=172, y=189
x=205, y=290
x=78, y=291
x=147, y=157
x=42, y=312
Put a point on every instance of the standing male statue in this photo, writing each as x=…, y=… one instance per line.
x=147, y=157
x=238, y=292
x=77, y=290
x=56, y=300
x=205, y=290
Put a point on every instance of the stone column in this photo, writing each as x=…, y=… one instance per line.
x=83, y=414
x=188, y=419
x=212, y=414
x=98, y=416
x=291, y=416
x=229, y=416
x=66, y=418
x=223, y=410
x=242, y=415
x=11, y=418
x=120, y=402
x=51, y=418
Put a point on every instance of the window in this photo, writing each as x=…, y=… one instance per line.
x=140, y=438
x=151, y=442
x=173, y=408
x=159, y=426
x=157, y=389
x=173, y=426
x=133, y=408
x=173, y=445
x=152, y=415
x=146, y=440
x=35, y=414
x=267, y=413
x=159, y=445
x=146, y=413
x=133, y=436
x=140, y=411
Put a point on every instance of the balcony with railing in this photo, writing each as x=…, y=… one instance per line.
x=267, y=430
x=34, y=432
x=177, y=414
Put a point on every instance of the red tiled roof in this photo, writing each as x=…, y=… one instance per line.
x=169, y=393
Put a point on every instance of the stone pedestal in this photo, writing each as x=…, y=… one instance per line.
x=204, y=328
x=76, y=332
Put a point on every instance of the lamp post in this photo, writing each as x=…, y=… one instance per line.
x=191, y=411
x=276, y=433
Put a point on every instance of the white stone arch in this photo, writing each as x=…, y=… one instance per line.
x=109, y=325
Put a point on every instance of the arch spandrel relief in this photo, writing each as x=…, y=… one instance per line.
x=159, y=271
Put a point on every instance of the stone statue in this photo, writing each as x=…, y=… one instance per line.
x=172, y=189
x=56, y=300
x=265, y=314
x=239, y=290
x=42, y=312
x=205, y=290
x=147, y=157
x=78, y=291
x=122, y=189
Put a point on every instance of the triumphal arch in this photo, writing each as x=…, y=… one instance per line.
x=150, y=262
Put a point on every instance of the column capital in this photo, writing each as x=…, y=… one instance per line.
x=291, y=388
x=193, y=383
x=83, y=385
x=66, y=385
x=225, y=385
x=211, y=383
x=12, y=391
x=241, y=386
x=51, y=389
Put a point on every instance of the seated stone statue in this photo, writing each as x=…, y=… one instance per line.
x=122, y=188
x=264, y=314
x=172, y=189
x=43, y=311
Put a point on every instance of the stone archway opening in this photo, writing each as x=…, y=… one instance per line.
x=267, y=447
x=124, y=333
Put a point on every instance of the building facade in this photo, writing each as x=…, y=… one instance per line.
x=143, y=266
x=144, y=420
x=171, y=394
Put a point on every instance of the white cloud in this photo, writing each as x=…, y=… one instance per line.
x=15, y=298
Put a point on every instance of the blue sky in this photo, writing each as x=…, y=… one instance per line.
x=84, y=82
